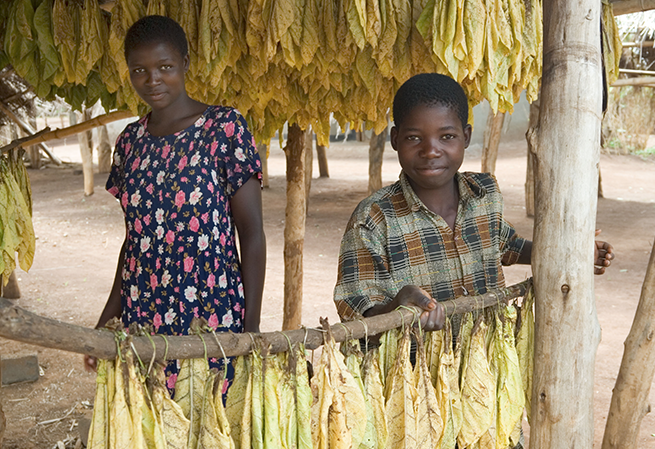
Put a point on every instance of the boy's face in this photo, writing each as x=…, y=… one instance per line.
x=430, y=144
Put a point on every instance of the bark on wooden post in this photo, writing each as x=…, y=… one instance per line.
x=630, y=396
x=375, y=154
x=531, y=138
x=492, y=141
x=321, y=155
x=567, y=332
x=86, y=151
x=309, y=165
x=104, y=150
x=294, y=227
x=34, y=150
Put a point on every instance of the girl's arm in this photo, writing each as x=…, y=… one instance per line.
x=113, y=307
x=246, y=207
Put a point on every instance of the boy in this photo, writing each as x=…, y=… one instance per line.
x=436, y=234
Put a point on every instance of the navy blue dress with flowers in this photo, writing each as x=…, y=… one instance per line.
x=181, y=259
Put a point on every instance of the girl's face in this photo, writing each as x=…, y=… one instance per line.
x=157, y=72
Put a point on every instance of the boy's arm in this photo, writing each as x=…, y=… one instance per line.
x=603, y=255
x=433, y=316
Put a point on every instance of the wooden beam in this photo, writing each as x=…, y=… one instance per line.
x=28, y=129
x=294, y=227
x=20, y=142
x=642, y=81
x=21, y=325
x=622, y=7
x=567, y=332
x=637, y=72
x=630, y=395
x=81, y=127
x=643, y=44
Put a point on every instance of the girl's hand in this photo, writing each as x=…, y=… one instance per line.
x=90, y=363
x=603, y=255
x=433, y=316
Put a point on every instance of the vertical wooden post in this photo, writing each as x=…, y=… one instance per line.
x=104, y=150
x=11, y=290
x=630, y=395
x=492, y=141
x=321, y=155
x=262, y=149
x=531, y=138
x=294, y=227
x=375, y=153
x=34, y=150
x=309, y=165
x=86, y=153
x=567, y=332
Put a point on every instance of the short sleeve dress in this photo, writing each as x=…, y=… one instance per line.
x=181, y=258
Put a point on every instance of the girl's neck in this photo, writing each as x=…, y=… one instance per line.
x=175, y=117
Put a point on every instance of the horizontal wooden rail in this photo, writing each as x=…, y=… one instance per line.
x=61, y=133
x=21, y=325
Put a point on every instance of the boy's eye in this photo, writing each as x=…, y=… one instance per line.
x=448, y=137
x=413, y=138
x=166, y=66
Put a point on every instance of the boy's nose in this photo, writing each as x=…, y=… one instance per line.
x=431, y=150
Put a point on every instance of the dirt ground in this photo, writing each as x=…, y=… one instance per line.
x=78, y=239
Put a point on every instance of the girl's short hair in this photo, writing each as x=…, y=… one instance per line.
x=430, y=89
x=157, y=29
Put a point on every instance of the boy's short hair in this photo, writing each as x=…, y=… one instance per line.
x=151, y=29
x=430, y=89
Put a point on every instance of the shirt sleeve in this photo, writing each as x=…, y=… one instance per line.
x=511, y=243
x=116, y=181
x=363, y=279
x=243, y=160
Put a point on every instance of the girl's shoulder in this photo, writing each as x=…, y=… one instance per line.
x=222, y=113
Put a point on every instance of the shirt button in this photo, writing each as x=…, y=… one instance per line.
x=466, y=292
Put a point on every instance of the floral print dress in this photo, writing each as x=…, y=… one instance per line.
x=181, y=259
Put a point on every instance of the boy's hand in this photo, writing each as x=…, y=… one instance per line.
x=603, y=255
x=433, y=317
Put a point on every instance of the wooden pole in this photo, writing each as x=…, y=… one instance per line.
x=75, y=129
x=375, y=155
x=492, y=141
x=27, y=129
x=309, y=165
x=321, y=155
x=104, y=150
x=630, y=396
x=567, y=332
x=641, y=81
x=294, y=227
x=86, y=151
x=621, y=7
x=21, y=325
x=33, y=150
x=531, y=138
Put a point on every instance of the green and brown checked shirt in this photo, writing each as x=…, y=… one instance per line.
x=393, y=240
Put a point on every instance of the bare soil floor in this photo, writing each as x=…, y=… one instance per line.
x=78, y=239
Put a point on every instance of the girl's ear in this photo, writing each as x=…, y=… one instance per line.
x=187, y=62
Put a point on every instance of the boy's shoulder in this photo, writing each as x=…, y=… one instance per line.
x=383, y=202
x=479, y=184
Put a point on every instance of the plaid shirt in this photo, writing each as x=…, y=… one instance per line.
x=393, y=240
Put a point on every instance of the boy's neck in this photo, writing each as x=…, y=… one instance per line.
x=443, y=201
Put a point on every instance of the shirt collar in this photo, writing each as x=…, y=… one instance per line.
x=469, y=188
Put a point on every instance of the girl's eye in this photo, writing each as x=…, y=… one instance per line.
x=139, y=70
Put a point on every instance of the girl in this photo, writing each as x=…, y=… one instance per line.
x=186, y=175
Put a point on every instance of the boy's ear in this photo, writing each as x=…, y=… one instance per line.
x=393, y=137
x=467, y=135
